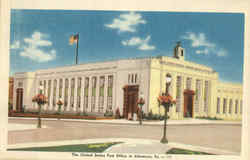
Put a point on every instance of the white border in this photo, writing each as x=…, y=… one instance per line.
x=241, y=6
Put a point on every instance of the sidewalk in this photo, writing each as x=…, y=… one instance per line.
x=146, y=122
x=142, y=146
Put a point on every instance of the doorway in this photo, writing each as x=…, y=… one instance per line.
x=19, y=99
x=130, y=100
x=188, y=103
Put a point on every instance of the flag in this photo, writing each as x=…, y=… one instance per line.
x=73, y=39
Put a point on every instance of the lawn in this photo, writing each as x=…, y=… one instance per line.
x=184, y=151
x=95, y=147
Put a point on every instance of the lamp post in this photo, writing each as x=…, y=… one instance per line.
x=39, y=125
x=141, y=102
x=40, y=99
x=59, y=103
x=166, y=102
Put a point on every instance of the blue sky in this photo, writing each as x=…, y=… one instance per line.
x=40, y=38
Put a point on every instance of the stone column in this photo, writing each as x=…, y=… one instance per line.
x=105, y=93
x=69, y=93
x=90, y=94
x=75, y=108
x=51, y=94
x=45, y=106
x=113, y=94
x=97, y=93
x=57, y=92
x=82, y=94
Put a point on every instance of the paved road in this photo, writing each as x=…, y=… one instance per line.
x=225, y=137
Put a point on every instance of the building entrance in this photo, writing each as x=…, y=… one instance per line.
x=130, y=101
x=188, y=103
x=19, y=99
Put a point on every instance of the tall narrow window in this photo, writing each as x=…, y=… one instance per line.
x=189, y=83
x=241, y=106
x=128, y=78
x=86, y=93
x=54, y=92
x=66, y=92
x=60, y=87
x=178, y=93
x=72, y=92
x=79, y=86
x=197, y=95
x=230, y=106
x=224, y=105
x=93, y=97
x=49, y=91
x=101, y=94
x=206, y=96
x=236, y=106
x=218, y=105
x=44, y=87
x=135, y=78
x=110, y=92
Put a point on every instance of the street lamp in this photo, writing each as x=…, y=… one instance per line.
x=39, y=125
x=40, y=99
x=166, y=100
x=141, y=102
x=60, y=103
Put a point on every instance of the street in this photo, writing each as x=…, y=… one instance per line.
x=219, y=136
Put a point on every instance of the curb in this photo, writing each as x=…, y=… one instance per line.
x=136, y=123
x=125, y=140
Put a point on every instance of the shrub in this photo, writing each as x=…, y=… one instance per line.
x=117, y=114
x=108, y=113
x=209, y=118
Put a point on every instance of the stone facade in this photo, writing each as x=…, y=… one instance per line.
x=96, y=88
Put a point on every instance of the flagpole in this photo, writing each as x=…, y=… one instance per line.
x=77, y=48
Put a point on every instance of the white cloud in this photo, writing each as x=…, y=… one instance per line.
x=38, y=55
x=222, y=52
x=142, y=44
x=200, y=40
x=37, y=39
x=127, y=22
x=15, y=45
x=205, y=51
x=34, y=48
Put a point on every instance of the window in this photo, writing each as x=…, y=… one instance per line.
x=60, y=87
x=110, y=92
x=128, y=78
x=44, y=87
x=54, y=92
x=79, y=86
x=101, y=94
x=218, y=105
x=66, y=90
x=198, y=95
x=206, y=96
x=241, y=107
x=236, y=106
x=49, y=91
x=93, y=98
x=135, y=78
x=86, y=93
x=178, y=93
x=20, y=84
x=189, y=83
x=230, y=106
x=72, y=92
x=224, y=105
